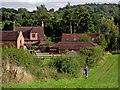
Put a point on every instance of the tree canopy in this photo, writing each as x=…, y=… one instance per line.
x=88, y=18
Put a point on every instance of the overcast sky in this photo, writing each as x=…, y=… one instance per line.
x=56, y=4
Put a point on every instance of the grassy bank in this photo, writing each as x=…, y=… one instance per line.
x=102, y=76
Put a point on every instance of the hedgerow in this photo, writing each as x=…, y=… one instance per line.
x=92, y=54
x=72, y=64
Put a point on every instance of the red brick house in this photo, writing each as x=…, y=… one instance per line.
x=34, y=35
x=74, y=37
x=70, y=42
x=71, y=46
x=12, y=37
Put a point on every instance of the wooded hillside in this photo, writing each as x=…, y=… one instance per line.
x=93, y=18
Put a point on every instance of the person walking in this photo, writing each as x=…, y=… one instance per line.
x=86, y=72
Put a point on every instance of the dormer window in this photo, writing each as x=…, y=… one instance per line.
x=33, y=35
x=75, y=39
x=67, y=39
x=93, y=39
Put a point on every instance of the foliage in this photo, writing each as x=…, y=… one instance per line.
x=66, y=50
x=49, y=41
x=18, y=58
x=7, y=25
x=85, y=38
x=111, y=32
x=102, y=76
x=103, y=42
x=44, y=49
x=32, y=47
x=115, y=52
x=69, y=64
x=92, y=54
x=72, y=64
x=117, y=22
x=83, y=20
x=86, y=18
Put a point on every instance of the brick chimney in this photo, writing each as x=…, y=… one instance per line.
x=14, y=26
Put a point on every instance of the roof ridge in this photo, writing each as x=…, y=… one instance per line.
x=28, y=26
x=80, y=33
x=10, y=31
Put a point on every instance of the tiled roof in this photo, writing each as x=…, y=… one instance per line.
x=77, y=35
x=31, y=29
x=73, y=45
x=9, y=35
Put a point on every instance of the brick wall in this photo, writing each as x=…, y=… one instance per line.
x=34, y=38
x=20, y=40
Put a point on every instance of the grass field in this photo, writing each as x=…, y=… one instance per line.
x=102, y=76
x=48, y=57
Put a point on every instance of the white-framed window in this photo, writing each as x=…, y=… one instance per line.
x=67, y=39
x=93, y=39
x=75, y=39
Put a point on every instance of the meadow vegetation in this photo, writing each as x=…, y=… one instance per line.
x=102, y=76
x=51, y=68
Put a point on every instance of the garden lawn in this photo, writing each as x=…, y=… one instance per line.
x=102, y=76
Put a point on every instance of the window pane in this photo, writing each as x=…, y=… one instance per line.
x=92, y=39
x=67, y=39
x=33, y=35
x=75, y=39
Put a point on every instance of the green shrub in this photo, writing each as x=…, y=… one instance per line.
x=73, y=65
x=69, y=64
x=20, y=57
x=92, y=54
x=115, y=52
x=66, y=50
x=32, y=47
x=44, y=49
x=49, y=41
x=103, y=42
x=85, y=38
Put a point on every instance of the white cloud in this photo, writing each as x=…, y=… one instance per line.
x=80, y=1
x=30, y=1
x=56, y=4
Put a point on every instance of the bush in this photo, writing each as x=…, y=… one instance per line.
x=66, y=50
x=92, y=54
x=49, y=41
x=103, y=42
x=32, y=47
x=69, y=64
x=44, y=49
x=73, y=65
x=19, y=57
x=85, y=38
x=115, y=52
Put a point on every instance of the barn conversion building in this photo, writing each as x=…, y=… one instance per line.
x=71, y=42
x=12, y=38
x=34, y=35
